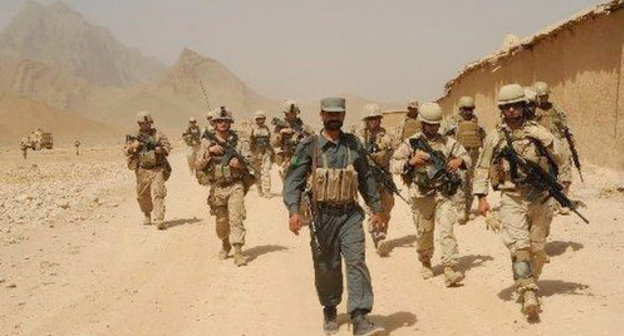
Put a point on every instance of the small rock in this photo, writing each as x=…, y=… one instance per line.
x=11, y=285
x=62, y=204
x=23, y=197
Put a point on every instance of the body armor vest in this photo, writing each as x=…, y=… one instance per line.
x=260, y=139
x=505, y=177
x=468, y=134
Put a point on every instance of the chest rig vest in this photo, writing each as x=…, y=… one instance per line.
x=468, y=134
x=260, y=139
x=336, y=186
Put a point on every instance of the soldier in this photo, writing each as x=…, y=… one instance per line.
x=24, y=147
x=227, y=176
x=147, y=151
x=335, y=165
x=531, y=104
x=77, y=146
x=287, y=134
x=434, y=202
x=525, y=217
x=410, y=125
x=262, y=153
x=465, y=128
x=209, y=116
x=191, y=137
x=379, y=145
x=554, y=119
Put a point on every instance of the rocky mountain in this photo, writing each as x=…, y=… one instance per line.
x=177, y=94
x=59, y=36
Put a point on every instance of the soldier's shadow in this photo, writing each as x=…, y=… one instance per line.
x=181, y=221
x=406, y=241
x=256, y=251
x=465, y=263
x=557, y=248
x=550, y=288
x=389, y=323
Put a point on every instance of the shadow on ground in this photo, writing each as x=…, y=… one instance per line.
x=389, y=323
x=182, y=221
x=256, y=251
x=406, y=241
x=549, y=288
x=557, y=248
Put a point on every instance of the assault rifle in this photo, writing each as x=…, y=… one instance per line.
x=575, y=156
x=229, y=153
x=441, y=179
x=147, y=144
x=539, y=179
x=384, y=177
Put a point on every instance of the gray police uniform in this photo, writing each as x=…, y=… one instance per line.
x=337, y=225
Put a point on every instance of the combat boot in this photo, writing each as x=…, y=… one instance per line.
x=426, y=270
x=530, y=305
x=225, y=249
x=452, y=277
x=330, y=320
x=147, y=220
x=362, y=326
x=239, y=258
x=160, y=224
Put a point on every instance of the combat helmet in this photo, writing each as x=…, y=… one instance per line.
x=541, y=88
x=510, y=94
x=259, y=115
x=430, y=113
x=412, y=104
x=372, y=111
x=530, y=94
x=192, y=120
x=289, y=105
x=465, y=102
x=223, y=113
x=144, y=116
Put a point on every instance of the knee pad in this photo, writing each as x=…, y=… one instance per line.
x=521, y=265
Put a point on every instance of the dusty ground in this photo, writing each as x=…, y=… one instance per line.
x=74, y=260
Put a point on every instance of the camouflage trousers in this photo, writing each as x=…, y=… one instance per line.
x=227, y=204
x=526, y=225
x=429, y=212
x=387, y=203
x=468, y=197
x=191, y=156
x=283, y=161
x=262, y=165
x=151, y=191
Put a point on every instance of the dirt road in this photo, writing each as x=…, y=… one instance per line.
x=100, y=272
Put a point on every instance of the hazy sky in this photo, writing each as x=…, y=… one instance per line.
x=388, y=50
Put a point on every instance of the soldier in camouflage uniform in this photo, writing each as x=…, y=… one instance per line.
x=525, y=217
x=24, y=145
x=433, y=204
x=379, y=145
x=191, y=137
x=228, y=184
x=146, y=151
x=285, y=139
x=77, y=146
x=554, y=119
x=262, y=153
x=335, y=167
x=410, y=125
x=465, y=128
